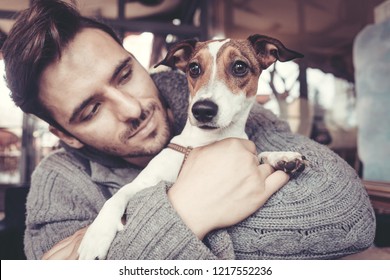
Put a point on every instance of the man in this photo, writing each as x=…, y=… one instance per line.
x=112, y=118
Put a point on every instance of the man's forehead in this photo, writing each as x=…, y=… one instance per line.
x=89, y=42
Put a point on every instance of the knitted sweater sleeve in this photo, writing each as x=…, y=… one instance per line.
x=155, y=231
x=63, y=199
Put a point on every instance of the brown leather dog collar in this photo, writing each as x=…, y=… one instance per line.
x=184, y=150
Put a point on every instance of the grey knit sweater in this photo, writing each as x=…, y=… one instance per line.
x=324, y=213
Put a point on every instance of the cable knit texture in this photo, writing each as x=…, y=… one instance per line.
x=324, y=213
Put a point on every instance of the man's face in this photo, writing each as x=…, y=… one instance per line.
x=102, y=96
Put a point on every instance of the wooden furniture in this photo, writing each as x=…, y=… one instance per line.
x=379, y=193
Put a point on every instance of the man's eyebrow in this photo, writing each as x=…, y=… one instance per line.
x=85, y=103
x=79, y=109
x=120, y=67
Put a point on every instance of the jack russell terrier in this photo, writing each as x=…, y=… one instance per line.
x=223, y=77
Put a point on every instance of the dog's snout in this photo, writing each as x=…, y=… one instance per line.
x=204, y=110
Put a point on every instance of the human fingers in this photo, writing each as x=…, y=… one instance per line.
x=67, y=248
x=57, y=249
x=64, y=253
x=275, y=181
x=265, y=169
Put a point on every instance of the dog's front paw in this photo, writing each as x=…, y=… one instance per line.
x=292, y=163
x=98, y=238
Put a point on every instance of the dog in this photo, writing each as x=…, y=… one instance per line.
x=222, y=77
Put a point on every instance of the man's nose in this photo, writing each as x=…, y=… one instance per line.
x=125, y=106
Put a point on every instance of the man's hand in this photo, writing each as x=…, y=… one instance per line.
x=222, y=184
x=67, y=248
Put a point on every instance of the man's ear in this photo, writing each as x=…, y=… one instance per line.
x=68, y=139
x=269, y=50
x=179, y=54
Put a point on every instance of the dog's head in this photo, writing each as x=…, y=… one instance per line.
x=223, y=75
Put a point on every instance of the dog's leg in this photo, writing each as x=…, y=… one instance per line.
x=292, y=163
x=98, y=238
x=100, y=234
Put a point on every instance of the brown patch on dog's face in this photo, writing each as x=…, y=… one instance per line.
x=203, y=58
x=232, y=55
x=237, y=55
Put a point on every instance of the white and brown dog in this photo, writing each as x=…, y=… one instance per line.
x=222, y=77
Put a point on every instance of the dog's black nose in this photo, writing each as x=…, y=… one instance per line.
x=204, y=110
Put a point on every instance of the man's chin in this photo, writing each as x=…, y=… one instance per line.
x=148, y=149
x=142, y=154
x=140, y=161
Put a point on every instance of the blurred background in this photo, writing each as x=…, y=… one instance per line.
x=338, y=95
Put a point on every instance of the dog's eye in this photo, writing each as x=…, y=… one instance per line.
x=194, y=70
x=240, y=68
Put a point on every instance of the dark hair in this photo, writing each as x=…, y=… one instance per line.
x=3, y=36
x=36, y=40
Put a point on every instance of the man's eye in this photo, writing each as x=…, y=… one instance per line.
x=125, y=77
x=91, y=113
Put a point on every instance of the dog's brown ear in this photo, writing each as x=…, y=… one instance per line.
x=179, y=54
x=269, y=50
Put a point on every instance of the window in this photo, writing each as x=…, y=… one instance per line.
x=11, y=121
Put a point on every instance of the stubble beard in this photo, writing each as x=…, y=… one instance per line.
x=156, y=144
x=151, y=146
